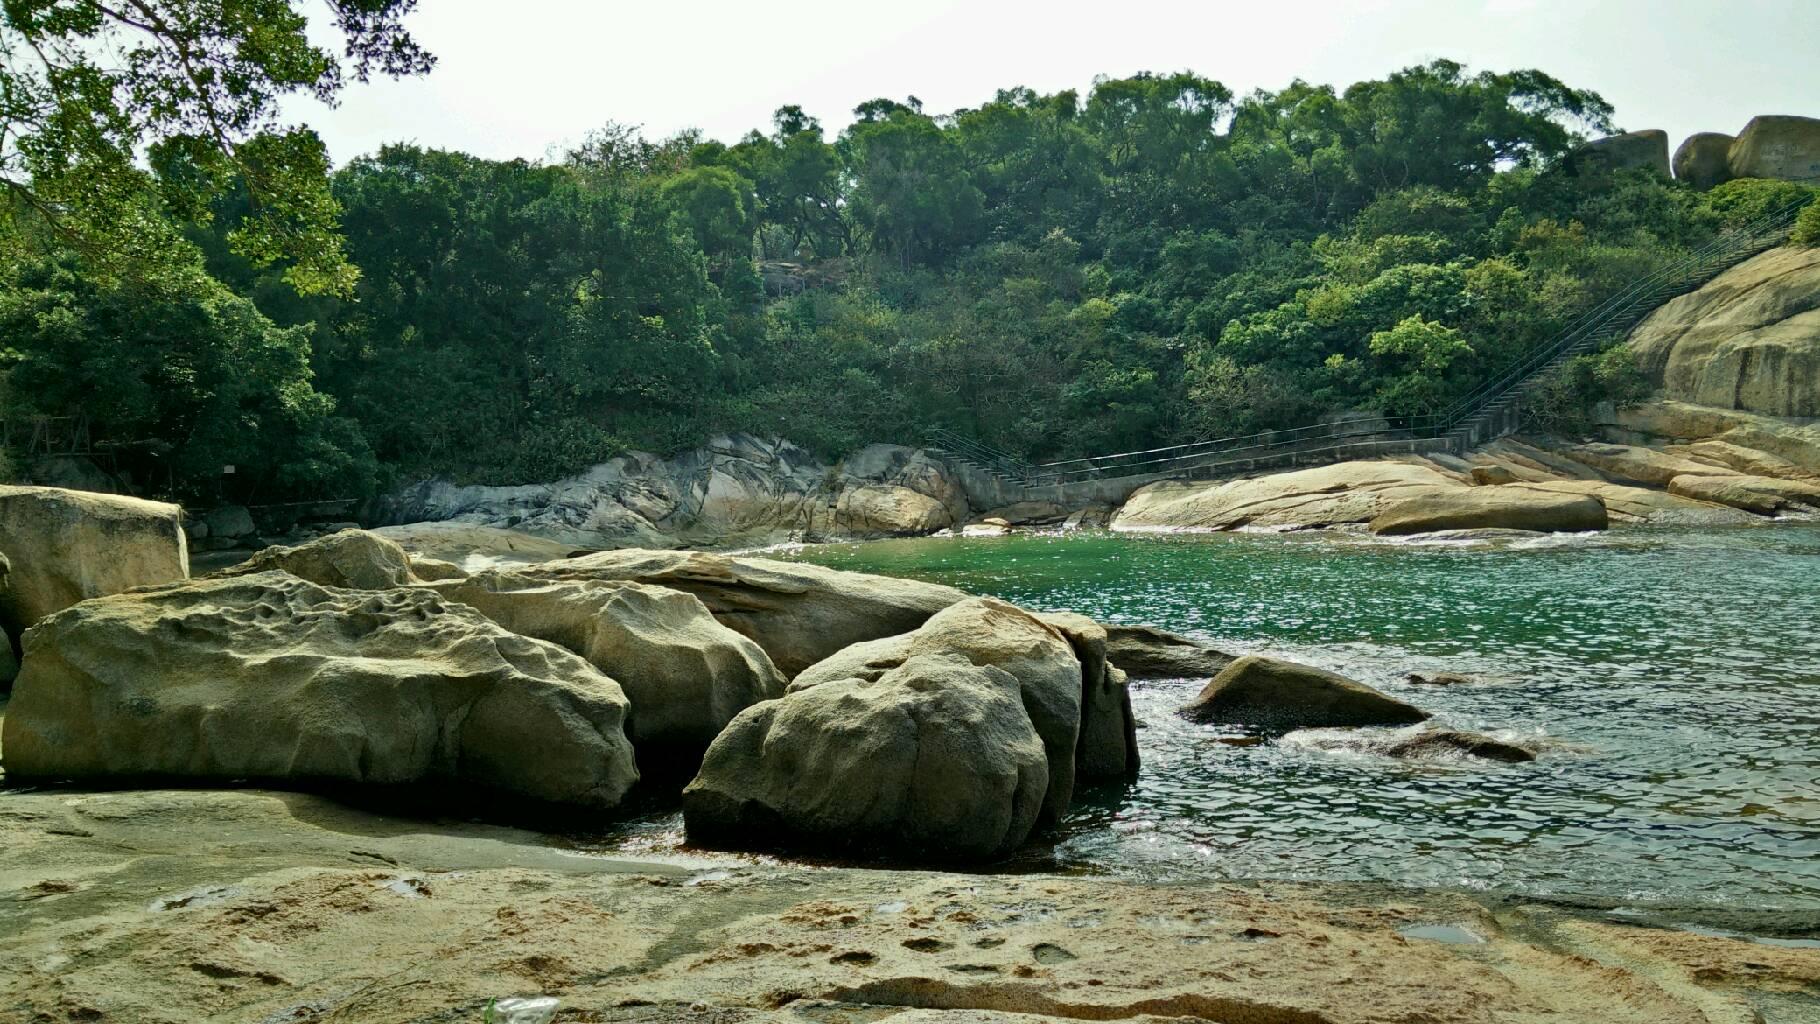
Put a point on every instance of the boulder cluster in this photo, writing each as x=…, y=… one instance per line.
x=1775, y=146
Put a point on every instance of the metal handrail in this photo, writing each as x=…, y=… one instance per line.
x=1727, y=249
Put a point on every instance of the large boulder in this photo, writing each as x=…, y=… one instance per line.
x=469, y=546
x=953, y=742
x=355, y=559
x=1764, y=496
x=1509, y=507
x=270, y=677
x=1050, y=675
x=1347, y=492
x=1107, y=744
x=1273, y=696
x=685, y=674
x=1748, y=339
x=9, y=659
x=1704, y=159
x=798, y=613
x=68, y=546
x=887, y=510
x=1146, y=652
x=1646, y=149
x=1777, y=146
x=1637, y=464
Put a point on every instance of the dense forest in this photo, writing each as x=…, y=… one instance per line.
x=1155, y=261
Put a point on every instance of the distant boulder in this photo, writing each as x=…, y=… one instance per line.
x=1777, y=146
x=1646, y=149
x=1704, y=160
x=1500, y=508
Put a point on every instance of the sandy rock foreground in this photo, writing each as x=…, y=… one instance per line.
x=250, y=906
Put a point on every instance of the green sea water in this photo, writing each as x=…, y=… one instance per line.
x=1672, y=678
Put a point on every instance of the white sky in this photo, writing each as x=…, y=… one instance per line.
x=527, y=77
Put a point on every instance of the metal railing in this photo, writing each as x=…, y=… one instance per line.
x=1491, y=408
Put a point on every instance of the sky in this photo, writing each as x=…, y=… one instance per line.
x=527, y=78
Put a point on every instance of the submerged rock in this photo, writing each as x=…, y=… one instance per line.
x=1146, y=652
x=798, y=613
x=1499, y=508
x=1275, y=696
x=354, y=559
x=950, y=743
x=1421, y=743
x=271, y=677
x=685, y=674
x=68, y=546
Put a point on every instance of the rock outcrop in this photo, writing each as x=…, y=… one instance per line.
x=1347, y=492
x=354, y=559
x=1765, y=496
x=1777, y=146
x=470, y=547
x=68, y=546
x=953, y=742
x=1510, y=507
x=685, y=674
x=271, y=677
x=1274, y=697
x=1749, y=339
x=1646, y=149
x=736, y=489
x=798, y=613
x=1704, y=159
x=1145, y=652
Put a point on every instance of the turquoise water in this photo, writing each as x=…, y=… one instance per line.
x=1672, y=676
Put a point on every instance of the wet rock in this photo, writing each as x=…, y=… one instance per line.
x=1444, y=743
x=955, y=753
x=271, y=677
x=798, y=613
x=68, y=546
x=1146, y=652
x=1500, y=508
x=354, y=559
x=685, y=674
x=1440, y=679
x=1275, y=696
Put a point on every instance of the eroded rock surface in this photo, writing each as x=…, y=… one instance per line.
x=271, y=677
x=685, y=674
x=354, y=559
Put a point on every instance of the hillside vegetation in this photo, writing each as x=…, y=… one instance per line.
x=1155, y=261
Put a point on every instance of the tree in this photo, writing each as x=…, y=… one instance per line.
x=716, y=203
x=87, y=86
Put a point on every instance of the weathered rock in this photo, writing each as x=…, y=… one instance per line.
x=355, y=559
x=887, y=510
x=1740, y=459
x=1777, y=146
x=685, y=674
x=1027, y=513
x=229, y=522
x=471, y=546
x=944, y=755
x=798, y=613
x=1093, y=517
x=1762, y=495
x=1076, y=704
x=430, y=570
x=1748, y=339
x=1503, y=508
x=1107, y=748
x=68, y=546
x=1150, y=653
x=1625, y=504
x=986, y=528
x=1635, y=464
x=272, y=677
x=1348, y=492
x=1646, y=149
x=736, y=489
x=1275, y=696
x=1704, y=159
x=1658, y=422
x=1492, y=476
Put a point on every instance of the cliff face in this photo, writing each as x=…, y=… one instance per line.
x=737, y=489
x=1748, y=340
